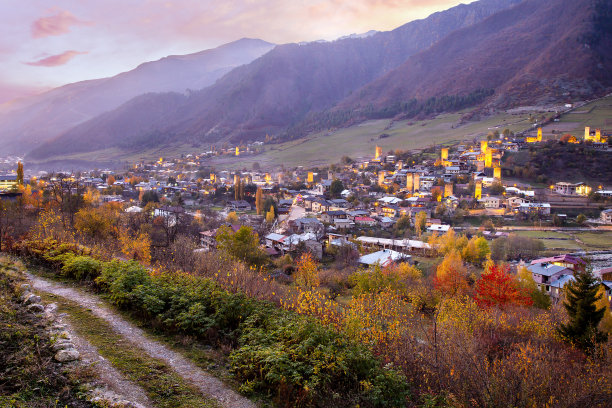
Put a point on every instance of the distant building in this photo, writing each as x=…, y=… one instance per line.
x=572, y=189
x=8, y=182
x=606, y=216
x=384, y=257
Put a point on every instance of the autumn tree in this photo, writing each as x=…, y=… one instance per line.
x=270, y=216
x=232, y=217
x=110, y=180
x=307, y=275
x=137, y=248
x=606, y=321
x=528, y=284
x=96, y=223
x=451, y=275
x=242, y=245
x=476, y=250
x=259, y=201
x=20, y=173
x=498, y=288
x=584, y=314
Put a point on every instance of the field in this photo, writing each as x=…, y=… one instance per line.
x=596, y=114
x=571, y=241
x=359, y=141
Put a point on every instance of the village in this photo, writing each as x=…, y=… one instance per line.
x=390, y=208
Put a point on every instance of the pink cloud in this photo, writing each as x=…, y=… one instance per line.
x=56, y=24
x=55, y=60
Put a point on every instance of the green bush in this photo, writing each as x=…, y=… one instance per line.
x=80, y=267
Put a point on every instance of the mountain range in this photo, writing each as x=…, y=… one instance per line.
x=27, y=123
x=494, y=53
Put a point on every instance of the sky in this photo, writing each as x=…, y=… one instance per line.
x=49, y=43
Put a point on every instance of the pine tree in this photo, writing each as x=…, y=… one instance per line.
x=584, y=316
x=20, y=173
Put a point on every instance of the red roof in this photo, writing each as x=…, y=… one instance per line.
x=560, y=258
x=367, y=219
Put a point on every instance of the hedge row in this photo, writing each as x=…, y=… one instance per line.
x=289, y=357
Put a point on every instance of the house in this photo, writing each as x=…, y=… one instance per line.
x=330, y=216
x=384, y=257
x=369, y=221
x=320, y=205
x=276, y=241
x=343, y=223
x=208, y=240
x=515, y=202
x=171, y=214
x=340, y=203
x=391, y=211
x=307, y=225
x=568, y=261
x=443, y=228
x=544, y=274
x=606, y=216
x=534, y=208
x=238, y=205
x=564, y=188
x=556, y=287
x=490, y=202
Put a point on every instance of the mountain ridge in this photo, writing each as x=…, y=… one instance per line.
x=280, y=89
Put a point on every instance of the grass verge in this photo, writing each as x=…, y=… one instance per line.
x=161, y=384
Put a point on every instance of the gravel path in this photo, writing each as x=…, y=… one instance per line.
x=108, y=375
x=205, y=382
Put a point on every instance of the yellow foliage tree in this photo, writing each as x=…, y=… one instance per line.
x=232, y=218
x=138, y=248
x=307, y=275
x=605, y=324
x=270, y=215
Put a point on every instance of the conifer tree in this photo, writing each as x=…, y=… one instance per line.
x=584, y=315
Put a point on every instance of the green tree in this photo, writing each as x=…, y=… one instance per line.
x=20, y=173
x=150, y=197
x=242, y=245
x=584, y=315
x=581, y=219
x=336, y=188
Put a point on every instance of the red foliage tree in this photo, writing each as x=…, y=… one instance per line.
x=498, y=288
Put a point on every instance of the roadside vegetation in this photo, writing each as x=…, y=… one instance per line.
x=29, y=377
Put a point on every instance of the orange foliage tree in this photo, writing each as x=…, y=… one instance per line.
x=498, y=288
x=451, y=275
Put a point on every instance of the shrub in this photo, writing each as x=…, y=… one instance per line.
x=80, y=267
